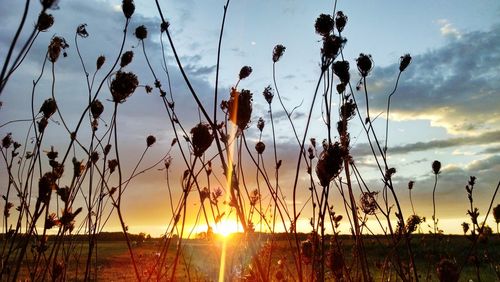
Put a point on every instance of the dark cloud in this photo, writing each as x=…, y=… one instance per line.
x=485, y=138
x=454, y=86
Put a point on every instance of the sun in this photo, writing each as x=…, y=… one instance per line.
x=226, y=228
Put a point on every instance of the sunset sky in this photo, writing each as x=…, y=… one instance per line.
x=446, y=107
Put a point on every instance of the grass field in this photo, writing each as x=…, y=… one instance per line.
x=200, y=259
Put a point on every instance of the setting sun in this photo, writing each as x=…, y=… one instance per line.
x=227, y=227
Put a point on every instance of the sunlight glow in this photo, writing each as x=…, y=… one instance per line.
x=226, y=228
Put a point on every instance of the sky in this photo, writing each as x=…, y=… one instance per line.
x=445, y=108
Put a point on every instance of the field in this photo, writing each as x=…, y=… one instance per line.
x=200, y=258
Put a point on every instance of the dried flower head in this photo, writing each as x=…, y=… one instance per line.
x=46, y=184
x=260, y=147
x=496, y=213
x=332, y=45
x=306, y=249
x=51, y=221
x=49, y=4
x=369, y=202
x=329, y=163
x=48, y=108
x=341, y=69
x=141, y=32
x=128, y=8
x=240, y=107
x=404, y=62
x=150, y=140
x=45, y=21
x=94, y=157
x=78, y=167
x=82, y=31
x=100, y=61
x=436, y=167
x=260, y=124
x=7, y=141
x=126, y=58
x=123, y=85
x=57, y=44
x=324, y=24
x=201, y=138
x=268, y=94
x=348, y=110
x=465, y=227
x=6, y=210
x=245, y=72
x=410, y=184
x=340, y=21
x=413, y=222
x=96, y=108
x=447, y=271
x=112, y=164
x=278, y=52
x=365, y=64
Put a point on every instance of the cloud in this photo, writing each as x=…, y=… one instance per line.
x=454, y=86
x=448, y=30
x=485, y=138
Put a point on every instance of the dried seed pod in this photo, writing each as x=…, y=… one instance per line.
x=57, y=44
x=45, y=21
x=7, y=141
x=436, y=167
x=324, y=24
x=240, y=107
x=48, y=108
x=278, y=52
x=341, y=69
x=96, y=108
x=340, y=21
x=365, y=64
x=404, y=62
x=329, y=163
x=82, y=31
x=150, y=140
x=123, y=85
x=260, y=147
x=201, y=138
x=369, y=202
x=245, y=72
x=260, y=124
x=332, y=45
x=100, y=61
x=141, y=32
x=126, y=58
x=128, y=8
x=268, y=94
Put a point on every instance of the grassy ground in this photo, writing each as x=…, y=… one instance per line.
x=200, y=259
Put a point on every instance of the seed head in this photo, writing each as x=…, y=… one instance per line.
x=436, y=167
x=123, y=85
x=96, y=108
x=45, y=21
x=150, y=140
x=278, y=52
x=245, y=72
x=332, y=45
x=112, y=164
x=404, y=62
x=100, y=61
x=128, y=8
x=413, y=222
x=365, y=64
x=341, y=69
x=260, y=124
x=49, y=4
x=126, y=58
x=48, y=108
x=465, y=227
x=141, y=32
x=268, y=94
x=260, y=147
x=369, y=202
x=306, y=248
x=56, y=45
x=348, y=110
x=7, y=141
x=410, y=184
x=324, y=24
x=240, y=107
x=340, y=21
x=42, y=124
x=496, y=213
x=82, y=31
x=201, y=138
x=329, y=163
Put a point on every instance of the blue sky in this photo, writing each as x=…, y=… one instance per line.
x=446, y=107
